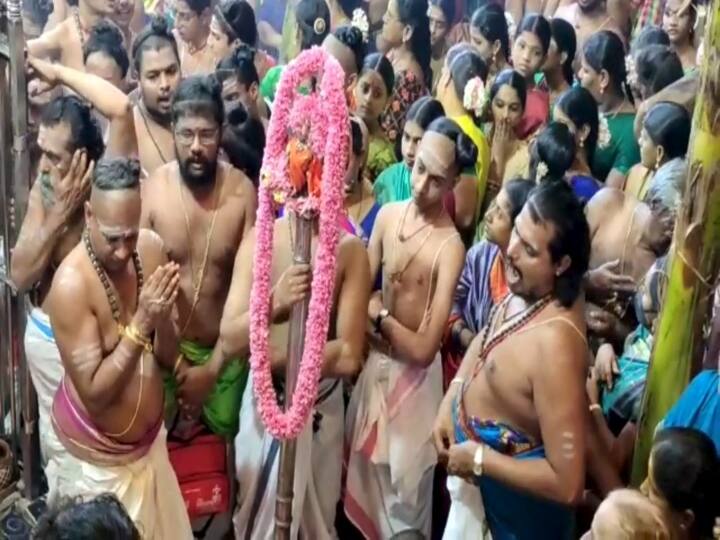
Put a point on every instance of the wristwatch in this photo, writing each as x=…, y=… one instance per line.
x=384, y=312
x=478, y=461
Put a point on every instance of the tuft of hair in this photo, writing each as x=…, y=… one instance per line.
x=74, y=519
x=555, y=203
x=352, y=38
x=198, y=95
x=513, y=79
x=466, y=152
x=85, y=132
x=490, y=21
x=669, y=125
x=105, y=37
x=538, y=25
x=113, y=174
x=198, y=6
x=156, y=35
x=239, y=63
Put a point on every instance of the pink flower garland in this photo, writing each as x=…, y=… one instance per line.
x=328, y=117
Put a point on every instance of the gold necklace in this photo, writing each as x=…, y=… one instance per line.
x=197, y=281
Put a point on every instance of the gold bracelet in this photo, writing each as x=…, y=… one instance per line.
x=134, y=335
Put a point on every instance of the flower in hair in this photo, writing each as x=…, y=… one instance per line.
x=604, y=135
x=510, y=24
x=360, y=21
x=474, y=96
x=319, y=26
x=630, y=70
x=541, y=171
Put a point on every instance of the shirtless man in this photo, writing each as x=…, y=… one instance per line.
x=389, y=419
x=590, y=16
x=513, y=421
x=70, y=143
x=627, y=237
x=65, y=42
x=110, y=295
x=192, y=22
x=320, y=446
x=157, y=66
x=202, y=208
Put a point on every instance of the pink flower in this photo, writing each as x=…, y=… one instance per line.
x=326, y=115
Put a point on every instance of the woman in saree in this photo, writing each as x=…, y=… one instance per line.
x=360, y=206
x=489, y=35
x=509, y=155
x=482, y=283
x=530, y=48
x=663, y=144
x=233, y=22
x=557, y=74
x=405, y=39
x=603, y=74
x=372, y=92
x=393, y=184
x=552, y=156
x=577, y=109
x=461, y=90
x=679, y=22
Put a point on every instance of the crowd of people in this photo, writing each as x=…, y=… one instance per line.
x=511, y=188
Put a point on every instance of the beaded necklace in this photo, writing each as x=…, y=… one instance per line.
x=495, y=336
x=80, y=29
x=105, y=280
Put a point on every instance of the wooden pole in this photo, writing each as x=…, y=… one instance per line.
x=694, y=259
x=16, y=189
x=301, y=242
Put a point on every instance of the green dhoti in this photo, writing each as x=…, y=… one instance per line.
x=222, y=407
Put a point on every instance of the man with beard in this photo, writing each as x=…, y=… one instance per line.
x=511, y=427
x=202, y=208
x=157, y=64
x=70, y=142
x=65, y=42
x=110, y=304
x=590, y=16
x=391, y=456
x=192, y=22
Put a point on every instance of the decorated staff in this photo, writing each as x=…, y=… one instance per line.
x=303, y=170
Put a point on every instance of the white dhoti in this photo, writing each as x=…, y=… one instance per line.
x=467, y=513
x=318, y=469
x=391, y=454
x=146, y=487
x=46, y=371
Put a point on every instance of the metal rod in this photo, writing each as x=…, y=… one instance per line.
x=5, y=363
x=301, y=242
x=21, y=187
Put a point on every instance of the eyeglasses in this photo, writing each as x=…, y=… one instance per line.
x=186, y=136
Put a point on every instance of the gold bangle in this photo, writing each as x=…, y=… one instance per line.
x=595, y=407
x=177, y=364
x=134, y=335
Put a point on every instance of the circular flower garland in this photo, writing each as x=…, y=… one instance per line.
x=327, y=114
